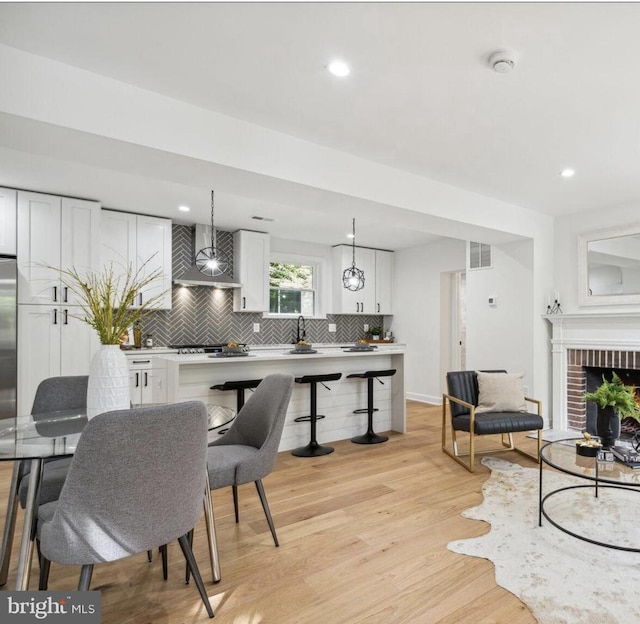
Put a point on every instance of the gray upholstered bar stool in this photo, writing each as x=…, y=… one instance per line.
x=313, y=449
x=370, y=437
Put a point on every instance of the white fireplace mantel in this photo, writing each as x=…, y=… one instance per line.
x=589, y=331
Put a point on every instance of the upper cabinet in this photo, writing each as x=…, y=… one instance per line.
x=384, y=282
x=375, y=297
x=131, y=241
x=8, y=242
x=251, y=268
x=59, y=232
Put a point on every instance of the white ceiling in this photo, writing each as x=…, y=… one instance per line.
x=421, y=98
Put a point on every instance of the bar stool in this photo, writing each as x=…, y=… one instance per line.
x=370, y=437
x=313, y=449
x=239, y=387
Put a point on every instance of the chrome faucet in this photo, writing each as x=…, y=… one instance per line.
x=303, y=335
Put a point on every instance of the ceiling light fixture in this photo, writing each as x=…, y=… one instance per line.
x=353, y=277
x=339, y=68
x=567, y=173
x=184, y=208
x=212, y=261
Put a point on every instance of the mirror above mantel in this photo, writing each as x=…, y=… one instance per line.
x=609, y=267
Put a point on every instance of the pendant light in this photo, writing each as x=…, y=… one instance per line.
x=209, y=260
x=353, y=277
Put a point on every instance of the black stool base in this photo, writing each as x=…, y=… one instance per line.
x=313, y=449
x=369, y=438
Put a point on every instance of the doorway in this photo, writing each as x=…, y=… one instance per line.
x=453, y=315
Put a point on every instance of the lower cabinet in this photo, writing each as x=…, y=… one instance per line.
x=147, y=380
x=51, y=342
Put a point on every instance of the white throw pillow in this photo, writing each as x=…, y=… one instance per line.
x=500, y=392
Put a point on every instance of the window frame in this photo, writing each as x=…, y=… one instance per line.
x=318, y=265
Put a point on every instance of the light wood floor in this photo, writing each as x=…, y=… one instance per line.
x=363, y=536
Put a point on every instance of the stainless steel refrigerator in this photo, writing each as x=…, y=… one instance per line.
x=8, y=337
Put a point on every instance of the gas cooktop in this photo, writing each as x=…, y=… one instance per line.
x=198, y=348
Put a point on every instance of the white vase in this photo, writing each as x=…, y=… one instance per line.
x=108, y=387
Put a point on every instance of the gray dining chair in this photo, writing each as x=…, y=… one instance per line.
x=52, y=394
x=247, y=452
x=135, y=483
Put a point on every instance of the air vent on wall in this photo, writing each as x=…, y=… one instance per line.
x=479, y=255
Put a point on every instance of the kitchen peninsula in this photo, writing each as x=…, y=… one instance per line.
x=190, y=377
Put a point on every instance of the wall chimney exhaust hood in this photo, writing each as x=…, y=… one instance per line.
x=193, y=277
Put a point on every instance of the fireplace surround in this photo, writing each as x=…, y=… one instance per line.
x=591, y=342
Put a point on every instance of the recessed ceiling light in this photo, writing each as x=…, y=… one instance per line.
x=350, y=235
x=184, y=208
x=339, y=68
x=567, y=173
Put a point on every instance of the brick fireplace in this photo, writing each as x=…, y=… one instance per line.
x=585, y=341
x=578, y=360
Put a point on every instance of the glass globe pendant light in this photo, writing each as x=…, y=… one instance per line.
x=210, y=260
x=353, y=277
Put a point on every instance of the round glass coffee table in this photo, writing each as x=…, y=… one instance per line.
x=613, y=475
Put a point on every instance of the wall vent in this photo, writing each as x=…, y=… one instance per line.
x=479, y=256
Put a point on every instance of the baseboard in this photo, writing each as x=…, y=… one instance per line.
x=424, y=398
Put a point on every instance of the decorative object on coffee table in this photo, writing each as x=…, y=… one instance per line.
x=588, y=447
x=615, y=401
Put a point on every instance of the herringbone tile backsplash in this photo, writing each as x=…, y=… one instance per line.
x=204, y=315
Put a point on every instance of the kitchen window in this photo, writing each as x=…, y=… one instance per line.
x=292, y=289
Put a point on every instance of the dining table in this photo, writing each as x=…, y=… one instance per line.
x=55, y=435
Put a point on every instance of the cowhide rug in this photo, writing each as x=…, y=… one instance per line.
x=562, y=580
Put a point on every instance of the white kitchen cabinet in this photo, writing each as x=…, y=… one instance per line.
x=131, y=241
x=8, y=242
x=57, y=231
x=147, y=379
x=51, y=342
x=384, y=282
x=251, y=252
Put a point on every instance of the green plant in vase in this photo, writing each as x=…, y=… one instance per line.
x=375, y=332
x=615, y=401
x=108, y=303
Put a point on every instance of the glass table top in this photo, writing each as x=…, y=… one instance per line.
x=562, y=455
x=57, y=433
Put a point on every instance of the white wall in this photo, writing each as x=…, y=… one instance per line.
x=497, y=337
x=416, y=307
x=501, y=336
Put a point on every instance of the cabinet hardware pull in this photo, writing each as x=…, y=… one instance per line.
x=244, y=302
x=146, y=379
x=66, y=294
x=55, y=293
x=137, y=380
x=378, y=308
x=140, y=298
x=141, y=362
x=66, y=316
x=55, y=316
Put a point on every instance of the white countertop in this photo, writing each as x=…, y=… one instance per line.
x=277, y=352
